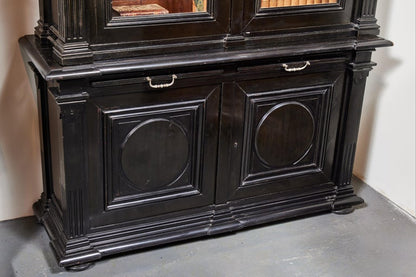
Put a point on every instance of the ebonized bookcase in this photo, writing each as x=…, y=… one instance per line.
x=205, y=119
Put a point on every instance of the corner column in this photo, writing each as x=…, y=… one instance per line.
x=67, y=219
x=357, y=73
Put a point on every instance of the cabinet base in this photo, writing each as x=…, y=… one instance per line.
x=79, y=267
x=40, y=207
x=78, y=253
x=345, y=205
x=344, y=211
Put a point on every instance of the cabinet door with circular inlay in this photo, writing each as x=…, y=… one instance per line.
x=282, y=133
x=158, y=152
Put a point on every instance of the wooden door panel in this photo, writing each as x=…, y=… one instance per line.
x=283, y=134
x=152, y=155
x=158, y=153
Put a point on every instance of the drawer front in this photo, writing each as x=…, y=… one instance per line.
x=152, y=152
x=283, y=132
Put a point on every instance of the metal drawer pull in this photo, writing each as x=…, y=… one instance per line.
x=162, y=85
x=286, y=67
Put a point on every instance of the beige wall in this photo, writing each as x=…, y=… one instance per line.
x=386, y=148
x=20, y=178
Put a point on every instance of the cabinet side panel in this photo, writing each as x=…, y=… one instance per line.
x=56, y=147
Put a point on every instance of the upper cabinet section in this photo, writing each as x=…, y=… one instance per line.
x=82, y=31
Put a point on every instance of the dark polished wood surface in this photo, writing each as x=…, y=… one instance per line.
x=169, y=128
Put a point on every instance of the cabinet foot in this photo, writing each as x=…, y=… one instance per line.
x=346, y=205
x=347, y=210
x=79, y=267
x=40, y=207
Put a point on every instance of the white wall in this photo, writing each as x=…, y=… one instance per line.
x=20, y=178
x=386, y=149
x=385, y=156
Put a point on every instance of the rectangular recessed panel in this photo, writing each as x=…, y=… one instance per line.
x=286, y=130
x=151, y=154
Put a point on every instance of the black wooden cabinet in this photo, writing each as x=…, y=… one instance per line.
x=200, y=118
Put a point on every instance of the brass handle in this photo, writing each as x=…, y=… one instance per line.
x=294, y=69
x=162, y=85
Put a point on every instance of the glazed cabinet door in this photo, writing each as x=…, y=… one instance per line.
x=281, y=130
x=151, y=151
x=262, y=16
x=141, y=21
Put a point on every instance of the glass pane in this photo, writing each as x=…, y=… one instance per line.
x=156, y=7
x=292, y=3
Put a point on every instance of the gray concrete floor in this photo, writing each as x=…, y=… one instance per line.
x=376, y=240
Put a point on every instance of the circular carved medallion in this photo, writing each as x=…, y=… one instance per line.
x=284, y=135
x=155, y=154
